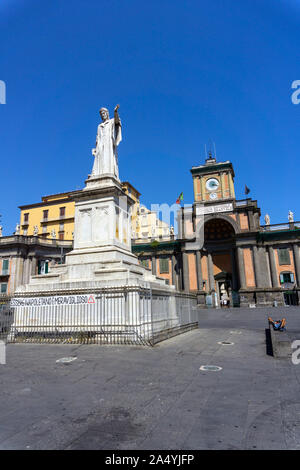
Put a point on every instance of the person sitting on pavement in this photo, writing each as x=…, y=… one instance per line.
x=279, y=325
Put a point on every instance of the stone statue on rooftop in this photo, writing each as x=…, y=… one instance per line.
x=17, y=231
x=267, y=219
x=35, y=231
x=291, y=216
x=1, y=231
x=109, y=135
x=53, y=234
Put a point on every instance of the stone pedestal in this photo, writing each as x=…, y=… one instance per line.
x=102, y=243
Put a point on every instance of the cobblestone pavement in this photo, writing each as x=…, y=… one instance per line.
x=119, y=397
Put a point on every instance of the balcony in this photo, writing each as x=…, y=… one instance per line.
x=31, y=240
x=280, y=227
x=159, y=238
x=245, y=203
x=63, y=218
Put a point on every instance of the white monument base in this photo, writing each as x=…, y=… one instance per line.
x=102, y=244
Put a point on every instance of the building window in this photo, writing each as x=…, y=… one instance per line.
x=287, y=278
x=164, y=265
x=5, y=267
x=43, y=266
x=26, y=218
x=145, y=263
x=4, y=288
x=61, y=232
x=62, y=211
x=284, y=256
x=45, y=214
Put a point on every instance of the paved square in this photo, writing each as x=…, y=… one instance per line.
x=119, y=397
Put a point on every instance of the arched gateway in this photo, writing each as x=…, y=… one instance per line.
x=219, y=257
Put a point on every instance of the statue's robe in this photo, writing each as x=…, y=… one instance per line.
x=109, y=136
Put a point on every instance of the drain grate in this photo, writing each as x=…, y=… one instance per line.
x=211, y=368
x=66, y=360
x=226, y=343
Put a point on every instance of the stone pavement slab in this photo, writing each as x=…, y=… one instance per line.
x=122, y=397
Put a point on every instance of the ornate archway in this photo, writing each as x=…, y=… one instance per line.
x=217, y=229
x=219, y=248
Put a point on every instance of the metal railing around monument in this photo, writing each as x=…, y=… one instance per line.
x=126, y=315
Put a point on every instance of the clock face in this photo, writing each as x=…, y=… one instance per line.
x=212, y=184
x=213, y=196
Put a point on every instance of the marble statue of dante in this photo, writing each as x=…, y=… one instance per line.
x=109, y=135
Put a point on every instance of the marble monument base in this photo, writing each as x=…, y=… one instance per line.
x=102, y=243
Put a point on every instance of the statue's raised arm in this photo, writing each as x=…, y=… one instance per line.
x=117, y=117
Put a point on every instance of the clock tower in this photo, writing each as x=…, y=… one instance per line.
x=213, y=182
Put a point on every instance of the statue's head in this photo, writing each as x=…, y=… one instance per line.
x=104, y=114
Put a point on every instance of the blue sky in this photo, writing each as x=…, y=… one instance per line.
x=182, y=72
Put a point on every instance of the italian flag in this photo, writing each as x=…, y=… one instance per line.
x=180, y=198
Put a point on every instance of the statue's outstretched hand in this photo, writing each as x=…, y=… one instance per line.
x=117, y=117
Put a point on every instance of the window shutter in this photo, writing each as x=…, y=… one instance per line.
x=163, y=265
x=287, y=278
x=3, y=288
x=284, y=256
x=5, y=264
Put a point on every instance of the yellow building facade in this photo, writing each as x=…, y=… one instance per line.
x=53, y=217
x=55, y=213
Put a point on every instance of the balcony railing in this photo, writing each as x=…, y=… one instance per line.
x=60, y=218
x=30, y=240
x=242, y=202
x=283, y=226
x=163, y=238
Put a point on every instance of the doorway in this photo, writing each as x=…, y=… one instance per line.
x=223, y=284
x=290, y=299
